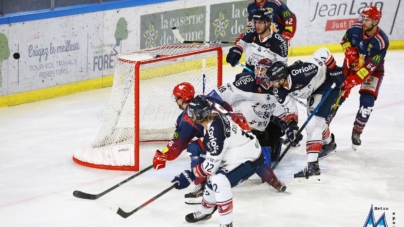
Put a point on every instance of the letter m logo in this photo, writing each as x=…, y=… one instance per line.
x=286, y=13
x=370, y=221
x=377, y=58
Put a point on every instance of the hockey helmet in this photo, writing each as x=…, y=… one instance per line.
x=277, y=71
x=371, y=12
x=261, y=69
x=199, y=109
x=263, y=14
x=184, y=91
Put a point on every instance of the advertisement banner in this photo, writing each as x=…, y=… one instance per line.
x=228, y=20
x=325, y=21
x=155, y=29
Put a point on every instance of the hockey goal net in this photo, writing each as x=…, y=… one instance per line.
x=141, y=106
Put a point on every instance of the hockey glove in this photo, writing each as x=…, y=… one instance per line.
x=240, y=120
x=159, y=160
x=291, y=131
x=184, y=179
x=351, y=57
x=234, y=56
x=337, y=75
x=351, y=81
x=287, y=35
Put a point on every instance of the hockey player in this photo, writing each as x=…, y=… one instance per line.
x=284, y=21
x=259, y=42
x=309, y=80
x=249, y=94
x=232, y=156
x=185, y=131
x=365, y=46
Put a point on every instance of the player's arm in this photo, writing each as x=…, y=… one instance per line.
x=235, y=52
x=351, y=52
x=184, y=133
x=288, y=19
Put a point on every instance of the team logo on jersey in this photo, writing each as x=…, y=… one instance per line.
x=370, y=220
x=370, y=46
x=259, y=49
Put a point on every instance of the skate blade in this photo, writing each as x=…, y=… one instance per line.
x=193, y=201
x=328, y=155
x=355, y=147
x=311, y=180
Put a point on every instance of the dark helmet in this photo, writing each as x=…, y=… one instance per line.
x=199, y=109
x=263, y=14
x=277, y=71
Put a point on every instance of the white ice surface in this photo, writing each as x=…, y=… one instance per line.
x=38, y=176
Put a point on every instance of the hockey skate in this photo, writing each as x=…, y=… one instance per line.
x=356, y=140
x=198, y=216
x=274, y=182
x=227, y=225
x=310, y=173
x=328, y=149
x=195, y=197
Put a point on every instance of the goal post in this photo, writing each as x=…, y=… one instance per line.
x=141, y=106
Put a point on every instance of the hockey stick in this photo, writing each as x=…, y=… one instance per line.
x=83, y=195
x=178, y=36
x=124, y=214
x=305, y=123
x=249, y=70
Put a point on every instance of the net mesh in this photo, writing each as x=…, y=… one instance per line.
x=159, y=70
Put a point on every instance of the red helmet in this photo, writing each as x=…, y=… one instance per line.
x=371, y=12
x=185, y=91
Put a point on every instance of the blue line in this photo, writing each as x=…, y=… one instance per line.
x=73, y=10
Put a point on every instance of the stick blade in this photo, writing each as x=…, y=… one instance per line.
x=122, y=213
x=83, y=195
x=177, y=35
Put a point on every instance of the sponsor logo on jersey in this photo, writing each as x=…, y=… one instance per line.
x=259, y=49
x=244, y=80
x=214, y=148
x=294, y=72
x=286, y=13
x=377, y=58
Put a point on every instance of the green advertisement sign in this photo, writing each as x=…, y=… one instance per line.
x=228, y=20
x=156, y=28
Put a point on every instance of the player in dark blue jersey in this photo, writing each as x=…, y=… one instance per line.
x=284, y=20
x=259, y=43
x=365, y=46
x=185, y=131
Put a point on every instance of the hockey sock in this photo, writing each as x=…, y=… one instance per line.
x=366, y=106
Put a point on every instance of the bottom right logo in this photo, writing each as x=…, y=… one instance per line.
x=370, y=220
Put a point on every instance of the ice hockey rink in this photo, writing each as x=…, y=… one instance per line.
x=38, y=176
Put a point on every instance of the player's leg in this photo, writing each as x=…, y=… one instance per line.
x=267, y=175
x=197, y=155
x=207, y=208
x=366, y=104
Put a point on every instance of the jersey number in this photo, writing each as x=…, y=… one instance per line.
x=208, y=167
x=247, y=135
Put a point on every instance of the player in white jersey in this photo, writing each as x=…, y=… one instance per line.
x=232, y=156
x=259, y=42
x=249, y=94
x=310, y=80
